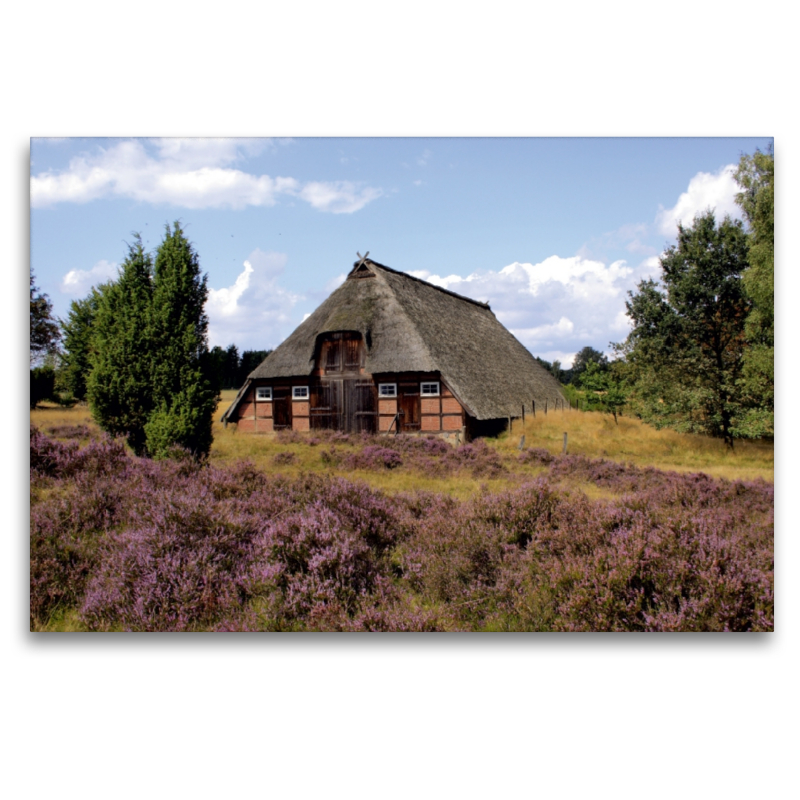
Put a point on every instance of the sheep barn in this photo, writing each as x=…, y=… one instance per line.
x=391, y=353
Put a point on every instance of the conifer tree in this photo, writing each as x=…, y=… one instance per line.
x=183, y=394
x=77, y=332
x=119, y=387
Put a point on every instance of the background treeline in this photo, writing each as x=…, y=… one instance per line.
x=230, y=370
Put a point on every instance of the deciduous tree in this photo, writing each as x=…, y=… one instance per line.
x=685, y=351
x=583, y=358
x=756, y=177
x=44, y=330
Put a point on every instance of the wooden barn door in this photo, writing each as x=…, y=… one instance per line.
x=362, y=406
x=281, y=408
x=342, y=398
x=409, y=408
x=326, y=404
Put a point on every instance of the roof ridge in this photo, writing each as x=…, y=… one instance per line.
x=420, y=280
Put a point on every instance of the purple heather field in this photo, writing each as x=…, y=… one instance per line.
x=133, y=544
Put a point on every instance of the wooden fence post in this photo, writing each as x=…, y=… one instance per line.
x=545, y=407
x=565, y=443
x=533, y=406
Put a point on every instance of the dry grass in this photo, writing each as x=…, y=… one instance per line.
x=591, y=434
x=596, y=435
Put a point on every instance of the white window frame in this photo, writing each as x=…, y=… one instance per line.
x=263, y=393
x=426, y=384
x=300, y=393
x=387, y=390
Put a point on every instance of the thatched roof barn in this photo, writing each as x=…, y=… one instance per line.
x=419, y=350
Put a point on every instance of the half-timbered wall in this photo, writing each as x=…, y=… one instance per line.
x=340, y=395
x=353, y=404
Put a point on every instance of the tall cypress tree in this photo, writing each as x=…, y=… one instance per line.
x=183, y=394
x=119, y=384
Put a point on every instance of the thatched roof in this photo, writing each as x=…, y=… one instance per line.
x=411, y=325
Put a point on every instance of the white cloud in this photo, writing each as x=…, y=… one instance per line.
x=253, y=311
x=78, y=281
x=340, y=197
x=558, y=306
x=423, y=160
x=190, y=173
x=717, y=191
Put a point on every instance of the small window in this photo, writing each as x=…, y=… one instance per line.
x=264, y=393
x=387, y=389
x=430, y=389
x=299, y=392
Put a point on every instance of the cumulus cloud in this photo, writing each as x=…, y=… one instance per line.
x=190, y=173
x=339, y=197
x=558, y=306
x=77, y=282
x=253, y=312
x=706, y=190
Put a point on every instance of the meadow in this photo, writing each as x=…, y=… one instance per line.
x=633, y=530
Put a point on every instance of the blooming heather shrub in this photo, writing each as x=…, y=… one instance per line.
x=172, y=545
x=611, y=567
x=282, y=459
x=70, y=431
x=65, y=531
x=373, y=457
x=331, y=457
x=434, y=457
x=293, y=437
x=535, y=455
x=179, y=569
x=49, y=457
x=318, y=564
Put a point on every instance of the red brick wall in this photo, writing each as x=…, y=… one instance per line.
x=431, y=423
x=300, y=409
x=246, y=409
x=301, y=423
x=430, y=405
x=387, y=407
x=451, y=423
x=385, y=422
x=450, y=406
x=263, y=409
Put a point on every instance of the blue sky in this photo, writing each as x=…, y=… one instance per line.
x=553, y=232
